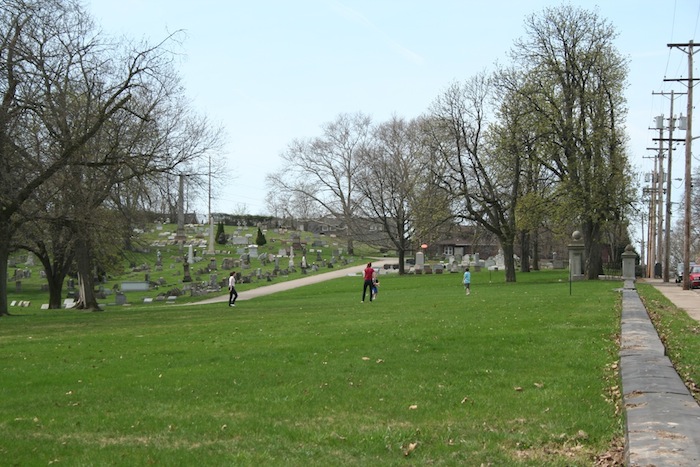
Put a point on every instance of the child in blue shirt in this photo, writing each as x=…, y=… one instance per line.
x=467, y=281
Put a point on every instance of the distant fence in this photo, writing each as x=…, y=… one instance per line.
x=612, y=270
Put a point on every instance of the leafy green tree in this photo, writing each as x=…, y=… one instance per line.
x=574, y=87
x=517, y=134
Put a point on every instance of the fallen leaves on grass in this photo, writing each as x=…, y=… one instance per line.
x=407, y=450
x=615, y=456
x=379, y=360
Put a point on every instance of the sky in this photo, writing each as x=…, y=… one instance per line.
x=270, y=72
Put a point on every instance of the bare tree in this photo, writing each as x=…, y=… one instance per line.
x=75, y=105
x=483, y=182
x=323, y=169
x=389, y=180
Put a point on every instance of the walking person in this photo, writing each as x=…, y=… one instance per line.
x=232, y=294
x=368, y=274
x=466, y=280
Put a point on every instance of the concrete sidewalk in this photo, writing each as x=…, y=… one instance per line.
x=302, y=281
x=688, y=300
x=663, y=418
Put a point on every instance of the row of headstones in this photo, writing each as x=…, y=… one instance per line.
x=22, y=274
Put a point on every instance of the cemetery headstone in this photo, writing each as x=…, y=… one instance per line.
x=120, y=299
x=190, y=254
x=186, y=271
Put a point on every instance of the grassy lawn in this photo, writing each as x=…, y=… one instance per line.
x=515, y=374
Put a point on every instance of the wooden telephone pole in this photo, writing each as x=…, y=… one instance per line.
x=689, y=49
x=667, y=227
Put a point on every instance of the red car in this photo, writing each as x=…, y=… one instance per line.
x=694, y=277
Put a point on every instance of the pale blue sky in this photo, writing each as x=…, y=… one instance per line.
x=272, y=71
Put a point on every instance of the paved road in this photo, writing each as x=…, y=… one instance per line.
x=305, y=280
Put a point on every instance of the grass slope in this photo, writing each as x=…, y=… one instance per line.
x=515, y=374
x=679, y=333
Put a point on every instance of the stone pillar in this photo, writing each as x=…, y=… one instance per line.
x=420, y=262
x=576, y=256
x=420, y=258
x=628, y=259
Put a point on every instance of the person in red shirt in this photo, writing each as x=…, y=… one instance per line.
x=368, y=274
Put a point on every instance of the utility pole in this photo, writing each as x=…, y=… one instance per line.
x=654, y=248
x=651, y=225
x=669, y=172
x=667, y=237
x=689, y=49
x=659, y=189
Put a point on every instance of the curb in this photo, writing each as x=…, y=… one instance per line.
x=663, y=418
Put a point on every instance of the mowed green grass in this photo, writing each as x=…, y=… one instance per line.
x=678, y=332
x=515, y=374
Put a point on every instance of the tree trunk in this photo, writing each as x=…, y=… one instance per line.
x=508, y=251
x=55, y=291
x=524, y=251
x=54, y=278
x=55, y=275
x=86, y=283
x=535, y=250
x=591, y=240
x=402, y=257
x=4, y=257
